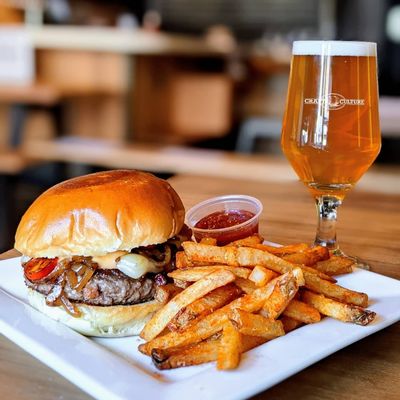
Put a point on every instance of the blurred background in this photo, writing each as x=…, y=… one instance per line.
x=167, y=86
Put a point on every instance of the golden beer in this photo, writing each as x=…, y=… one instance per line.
x=331, y=132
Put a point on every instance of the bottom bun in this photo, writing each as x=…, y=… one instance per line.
x=107, y=321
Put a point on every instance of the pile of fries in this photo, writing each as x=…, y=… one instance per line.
x=228, y=300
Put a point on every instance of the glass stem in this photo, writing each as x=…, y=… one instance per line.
x=327, y=207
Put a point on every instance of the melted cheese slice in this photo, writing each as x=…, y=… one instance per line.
x=108, y=261
x=132, y=265
x=135, y=266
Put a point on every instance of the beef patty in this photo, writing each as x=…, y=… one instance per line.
x=107, y=287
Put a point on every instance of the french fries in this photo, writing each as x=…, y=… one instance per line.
x=211, y=324
x=204, y=306
x=290, y=324
x=308, y=257
x=281, y=250
x=340, y=311
x=209, y=240
x=302, y=312
x=197, y=273
x=284, y=291
x=247, y=242
x=246, y=285
x=177, y=357
x=199, y=353
x=166, y=292
x=335, y=265
x=228, y=356
x=235, y=297
x=334, y=291
x=261, y=276
x=235, y=256
x=256, y=325
x=161, y=319
x=320, y=274
x=181, y=284
x=181, y=261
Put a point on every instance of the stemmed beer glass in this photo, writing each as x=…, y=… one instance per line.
x=330, y=131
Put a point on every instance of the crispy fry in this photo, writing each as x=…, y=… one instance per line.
x=239, y=256
x=284, y=291
x=201, y=330
x=197, y=273
x=302, y=312
x=246, y=285
x=209, y=240
x=194, y=354
x=181, y=284
x=212, y=323
x=256, y=325
x=308, y=257
x=340, y=311
x=318, y=273
x=229, y=349
x=239, y=293
x=181, y=260
x=199, y=353
x=261, y=276
x=335, y=265
x=247, y=242
x=299, y=276
x=289, y=324
x=166, y=292
x=236, y=256
x=281, y=250
x=162, y=317
x=318, y=285
x=204, y=306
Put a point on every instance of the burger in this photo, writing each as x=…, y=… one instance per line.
x=96, y=250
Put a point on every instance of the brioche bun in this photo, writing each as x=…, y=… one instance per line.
x=100, y=213
x=110, y=321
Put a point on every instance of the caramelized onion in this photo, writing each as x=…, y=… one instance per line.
x=57, y=271
x=85, y=279
x=69, y=307
x=77, y=272
x=54, y=295
x=167, y=258
x=79, y=268
x=72, y=278
x=154, y=254
x=58, y=302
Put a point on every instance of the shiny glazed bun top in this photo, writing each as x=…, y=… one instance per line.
x=96, y=214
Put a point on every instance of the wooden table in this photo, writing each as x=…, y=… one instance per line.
x=369, y=226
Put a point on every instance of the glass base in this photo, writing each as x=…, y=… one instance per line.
x=358, y=262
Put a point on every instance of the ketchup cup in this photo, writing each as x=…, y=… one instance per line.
x=234, y=204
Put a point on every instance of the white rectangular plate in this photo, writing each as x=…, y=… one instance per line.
x=114, y=369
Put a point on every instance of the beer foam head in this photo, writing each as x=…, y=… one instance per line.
x=333, y=48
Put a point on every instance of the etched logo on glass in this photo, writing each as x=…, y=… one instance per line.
x=335, y=101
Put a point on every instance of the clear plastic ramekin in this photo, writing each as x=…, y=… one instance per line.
x=225, y=204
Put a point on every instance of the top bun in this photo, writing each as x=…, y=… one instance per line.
x=96, y=214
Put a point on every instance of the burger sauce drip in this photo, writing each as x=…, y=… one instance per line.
x=226, y=219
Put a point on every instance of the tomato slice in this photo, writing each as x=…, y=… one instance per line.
x=38, y=268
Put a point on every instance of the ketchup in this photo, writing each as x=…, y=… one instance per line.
x=226, y=219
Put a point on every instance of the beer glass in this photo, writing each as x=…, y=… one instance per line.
x=330, y=132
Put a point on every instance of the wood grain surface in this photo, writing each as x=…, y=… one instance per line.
x=369, y=227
